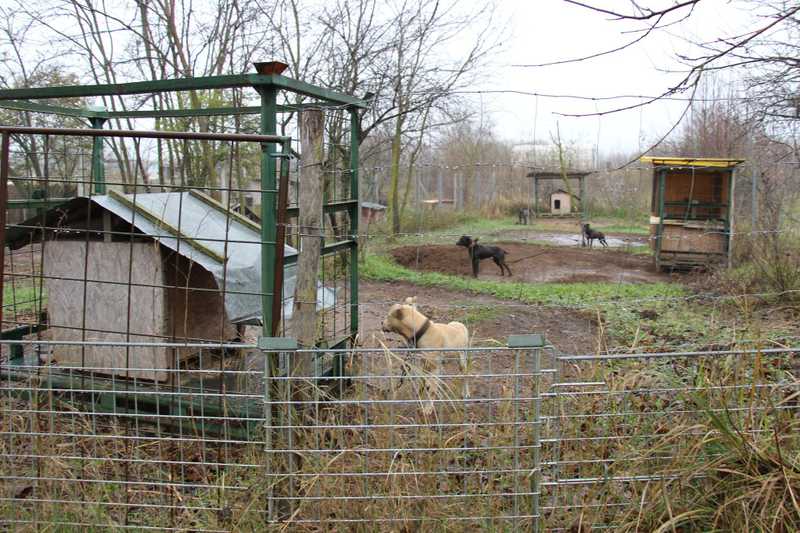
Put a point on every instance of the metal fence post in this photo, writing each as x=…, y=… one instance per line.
x=534, y=344
x=98, y=165
x=272, y=347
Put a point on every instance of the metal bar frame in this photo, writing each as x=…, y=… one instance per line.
x=275, y=81
x=661, y=175
x=729, y=222
x=98, y=174
x=355, y=215
x=268, y=126
x=268, y=187
x=267, y=85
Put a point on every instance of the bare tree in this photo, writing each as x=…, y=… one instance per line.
x=310, y=244
x=769, y=47
x=109, y=43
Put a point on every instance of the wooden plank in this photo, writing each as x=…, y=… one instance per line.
x=116, y=312
x=679, y=238
x=697, y=162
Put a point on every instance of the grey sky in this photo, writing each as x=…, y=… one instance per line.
x=550, y=30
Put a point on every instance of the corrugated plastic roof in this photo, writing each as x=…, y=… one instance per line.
x=225, y=243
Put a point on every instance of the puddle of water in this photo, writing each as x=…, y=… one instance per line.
x=574, y=239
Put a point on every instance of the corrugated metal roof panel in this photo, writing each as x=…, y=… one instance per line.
x=226, y=246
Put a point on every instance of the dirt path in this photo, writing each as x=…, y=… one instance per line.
x=536, y=263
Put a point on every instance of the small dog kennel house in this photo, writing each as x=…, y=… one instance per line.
x=160, y=267
x=560, y=202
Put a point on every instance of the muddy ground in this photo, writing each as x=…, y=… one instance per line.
x=536, y=263
x=489, y=320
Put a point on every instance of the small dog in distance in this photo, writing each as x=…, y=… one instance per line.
x=591, y=235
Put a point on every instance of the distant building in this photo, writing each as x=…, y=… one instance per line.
x=372, y=212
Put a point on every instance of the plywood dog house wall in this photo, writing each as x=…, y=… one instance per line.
x=114, y=270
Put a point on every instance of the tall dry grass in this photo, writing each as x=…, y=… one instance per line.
x=645, y=444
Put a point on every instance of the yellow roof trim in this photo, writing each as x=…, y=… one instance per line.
x=699, y=162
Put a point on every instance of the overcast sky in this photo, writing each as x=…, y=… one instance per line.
x=550, y=30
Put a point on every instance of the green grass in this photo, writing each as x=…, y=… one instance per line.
x=643, y=249
x=473, y=314
x=630, y=228
x=566, y=294
x=23, y=298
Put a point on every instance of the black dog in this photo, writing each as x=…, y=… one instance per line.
x=479, y=251
x=592, y=234
x=523, y=216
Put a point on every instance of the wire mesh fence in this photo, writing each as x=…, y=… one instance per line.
x=97, y=447
x=509, y=438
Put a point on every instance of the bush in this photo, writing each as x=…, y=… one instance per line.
x=424, y=220
x=767, y=262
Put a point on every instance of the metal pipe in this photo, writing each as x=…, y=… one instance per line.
x=280, y=238
x=268, y=127
x=4, y=164
x=146, y=134
x=355, y=214
x=98, y=175
x=536, y=478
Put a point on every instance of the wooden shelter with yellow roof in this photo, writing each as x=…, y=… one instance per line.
x=691, y=216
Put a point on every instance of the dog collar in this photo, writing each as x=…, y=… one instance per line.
x=412, y=342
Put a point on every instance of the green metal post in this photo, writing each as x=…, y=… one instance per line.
x=662, y=174
x=354, y=216
x=533, y=344
x=268, y=207
x=98, y=168
x=729, y=224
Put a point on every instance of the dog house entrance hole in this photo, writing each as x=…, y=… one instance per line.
x=557, y=204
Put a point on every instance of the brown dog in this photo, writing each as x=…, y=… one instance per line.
x=421, y=332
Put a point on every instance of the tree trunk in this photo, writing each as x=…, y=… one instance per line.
x=304, y=317
x=394, y=185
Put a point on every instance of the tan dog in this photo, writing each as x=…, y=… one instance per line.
x=421, y=332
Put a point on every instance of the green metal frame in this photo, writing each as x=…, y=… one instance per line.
x=275, y=81
x=268, y=87
x=662, y=174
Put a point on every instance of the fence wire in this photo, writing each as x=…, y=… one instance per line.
x=514, y=438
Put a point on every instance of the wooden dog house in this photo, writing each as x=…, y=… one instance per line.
x=560, y=202
x=372, y=212
x=148, y=268
x=691, y=217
